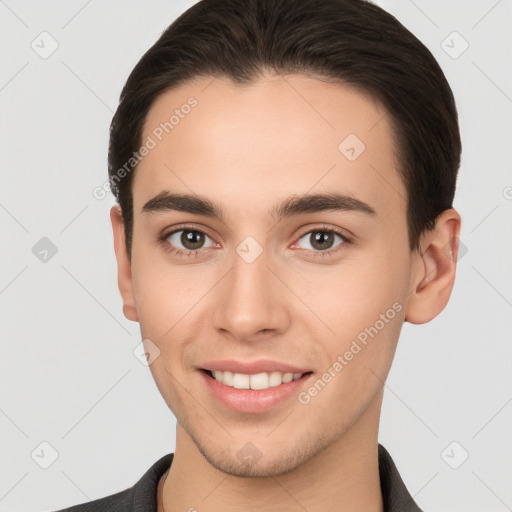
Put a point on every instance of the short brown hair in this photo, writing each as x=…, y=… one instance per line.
x=352, y=41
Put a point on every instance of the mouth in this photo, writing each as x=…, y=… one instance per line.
x=253, y=393
x=255, y=381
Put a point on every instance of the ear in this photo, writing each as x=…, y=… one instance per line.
x=433, y=272
x=124, y=272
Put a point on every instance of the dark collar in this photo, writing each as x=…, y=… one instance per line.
x=395, y=495
x=141, y=497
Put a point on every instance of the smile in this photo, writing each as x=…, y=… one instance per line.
x=253, y=393
x=263, y=380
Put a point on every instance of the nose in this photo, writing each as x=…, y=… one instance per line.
x=251, y=301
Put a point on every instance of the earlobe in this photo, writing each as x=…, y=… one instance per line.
x=124, y=273
x=433, y=275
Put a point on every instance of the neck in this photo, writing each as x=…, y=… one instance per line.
x=342, y=477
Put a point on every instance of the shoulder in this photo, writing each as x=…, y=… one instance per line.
x=114, y=503
x=141, y=497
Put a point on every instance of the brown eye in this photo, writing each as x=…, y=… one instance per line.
x=188, y=239
x=320, y=240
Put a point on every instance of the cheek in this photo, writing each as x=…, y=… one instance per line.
x=353, y=294
x=366, y=321
x=169, y=299
x=168, y=296
x=362, y=303
x=163, y=301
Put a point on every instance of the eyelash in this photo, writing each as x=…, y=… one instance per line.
x=194, y=253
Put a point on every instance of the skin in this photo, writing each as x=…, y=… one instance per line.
x=249, y=148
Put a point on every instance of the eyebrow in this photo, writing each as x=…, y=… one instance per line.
x=295, y=205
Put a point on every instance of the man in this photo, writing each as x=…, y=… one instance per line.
x=285, y=171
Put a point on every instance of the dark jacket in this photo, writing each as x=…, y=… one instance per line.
x=141, y=497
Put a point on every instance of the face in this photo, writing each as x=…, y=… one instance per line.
x=322, y=285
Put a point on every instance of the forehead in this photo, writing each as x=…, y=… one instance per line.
x=277, y=136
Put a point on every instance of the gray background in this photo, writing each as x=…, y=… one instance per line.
x=68, y=375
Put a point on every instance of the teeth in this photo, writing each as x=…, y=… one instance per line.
x=263, y=380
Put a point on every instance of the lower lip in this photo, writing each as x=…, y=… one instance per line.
x=253, y=400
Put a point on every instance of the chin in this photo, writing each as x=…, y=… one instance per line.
x=249, y=462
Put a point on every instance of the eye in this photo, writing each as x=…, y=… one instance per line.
x=187, y=241
x=322, y=240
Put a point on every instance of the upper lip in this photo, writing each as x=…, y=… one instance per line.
x=252, y=367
